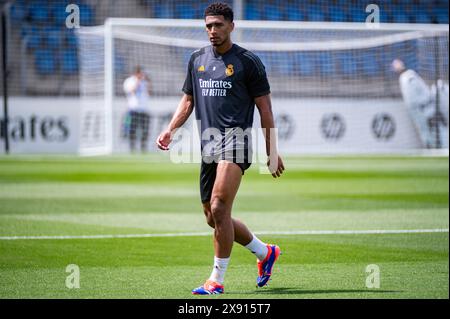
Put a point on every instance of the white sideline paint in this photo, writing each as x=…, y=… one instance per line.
x=300, y=232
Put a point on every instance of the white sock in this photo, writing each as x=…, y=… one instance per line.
x=258, y=248
x=219, y=269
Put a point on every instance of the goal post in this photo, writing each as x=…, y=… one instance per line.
x=332, y=87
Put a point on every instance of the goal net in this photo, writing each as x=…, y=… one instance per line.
x=333, y=86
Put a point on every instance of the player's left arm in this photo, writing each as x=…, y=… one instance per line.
x=275, y=163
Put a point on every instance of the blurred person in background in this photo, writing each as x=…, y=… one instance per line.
x=427, y=106
x=137, y=120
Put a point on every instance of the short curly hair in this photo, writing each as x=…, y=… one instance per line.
x=219, y=9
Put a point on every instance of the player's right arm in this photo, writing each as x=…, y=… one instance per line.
x=182, y=113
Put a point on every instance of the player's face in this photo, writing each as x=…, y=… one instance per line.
x=218, y=30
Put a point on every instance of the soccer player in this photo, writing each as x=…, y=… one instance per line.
x=224, y=82
x=137, y=89
x=430, y=121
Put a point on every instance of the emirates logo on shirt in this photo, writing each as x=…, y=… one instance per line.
x=214, y=88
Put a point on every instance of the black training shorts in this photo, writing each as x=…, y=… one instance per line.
x=208, y=172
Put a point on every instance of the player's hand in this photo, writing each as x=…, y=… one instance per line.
x=276, y=167
x=164, y=140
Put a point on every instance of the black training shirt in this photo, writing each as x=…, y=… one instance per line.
x=224, y=88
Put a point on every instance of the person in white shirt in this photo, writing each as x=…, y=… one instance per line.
x=137, y=90
x=430, y=119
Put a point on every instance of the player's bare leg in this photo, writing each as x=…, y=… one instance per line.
x=226, y=185
x=242, y=234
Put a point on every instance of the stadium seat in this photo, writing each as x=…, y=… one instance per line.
x=186, y=56
x=315, y=13
x=185, y=11
x=283, y=62
x=18, y=11
x=33, y=37
x=53, y=38
x=39, y=11
x=337, y=14
x=69, y=61
x=422, y=17
x=442, y=17
x=87, y=15
x=266, y=60
x=370, y=64
x=163, y=11
x=400, y=16
x=305, y=64
x=385, y=16
x=59, y=13
x=357, y=14
x=273, y=12
x=295, y=12
x=325, y=61
x=120, y=66
x=347, y=64
x=45, y=61
x=70, y=38
x=252, y=12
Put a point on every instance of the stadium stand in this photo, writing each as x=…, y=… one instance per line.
x=39, y=27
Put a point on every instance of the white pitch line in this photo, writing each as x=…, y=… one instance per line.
x=300, y=232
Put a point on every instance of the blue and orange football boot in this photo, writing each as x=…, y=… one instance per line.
x=209, y=288
x=265, y=266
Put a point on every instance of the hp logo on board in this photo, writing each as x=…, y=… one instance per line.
x=333, y=126
x=285, y=125
x=383, y=126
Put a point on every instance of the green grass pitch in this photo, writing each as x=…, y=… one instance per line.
x=119, y=195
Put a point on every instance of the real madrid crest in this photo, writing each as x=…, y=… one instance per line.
x=229, y=70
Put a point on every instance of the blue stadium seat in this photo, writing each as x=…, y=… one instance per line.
x=87, y=15
x=252, y=12
x=265, y=59
x=59, y=13
x=186, y=54
x=347, y=64
x=422, y=17
x=33, y=36
x=315, y=13
x=39, y=11
x=53, y=37
x=163, y=11
x=295, y=15
x=305, y=64
x=370, y=64
x=273, y=12
x=70, y=38
x=442, y=17
x=283, y=62
x=120, y=66
x=18, y=11
x=400, y=16
x=185, y=11
x=337, y=14
x=69, y=61
x=45, y=61
x=357, y=14
x=385, y=16
x=325, y=62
